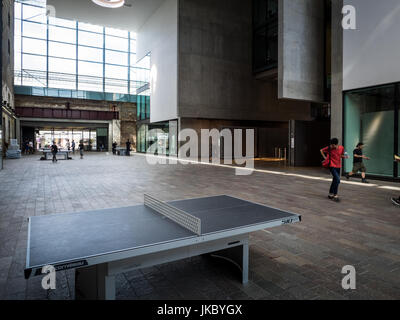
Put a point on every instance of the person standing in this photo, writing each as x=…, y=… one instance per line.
x=81, y=148
x=114, y=148
x=358, y=164
x=333, y=155
x=54, y=150
x=73, y=146
x=68, y=145
x=128, y=148
x=30, y=146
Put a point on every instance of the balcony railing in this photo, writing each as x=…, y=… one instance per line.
x=66, y=81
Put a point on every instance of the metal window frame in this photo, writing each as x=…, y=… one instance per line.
x=77, y=29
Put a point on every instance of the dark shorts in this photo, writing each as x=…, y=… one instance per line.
x=359, y=166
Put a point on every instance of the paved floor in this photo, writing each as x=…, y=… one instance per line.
x=301, y=261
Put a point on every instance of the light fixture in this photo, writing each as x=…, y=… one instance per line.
x=109, y=3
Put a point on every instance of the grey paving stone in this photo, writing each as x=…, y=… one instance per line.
x=300, y=261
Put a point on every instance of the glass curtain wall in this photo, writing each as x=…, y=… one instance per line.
x=90, y=138
x=57, y=53
x=147, y=138
x=143, y=93
x=141, y=138
x=371, y=116
x=143, y=107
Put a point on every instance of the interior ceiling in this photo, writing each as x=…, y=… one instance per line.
x=129, y=17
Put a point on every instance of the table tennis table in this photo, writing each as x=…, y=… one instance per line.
x=120, y=151
x=101, y=244
x=48, y=155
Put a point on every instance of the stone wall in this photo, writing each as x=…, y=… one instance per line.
x=128, y=117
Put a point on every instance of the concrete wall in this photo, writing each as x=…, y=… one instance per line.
x=8, y=56
x=267, y=134
x=371, y=53
x=267, y=106
x=159, y=36
x=337, y=71
x=301, y=50
x=215, y=66
x=7, y=117
x=215, y=58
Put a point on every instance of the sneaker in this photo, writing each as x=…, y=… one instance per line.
x=364, y=181
x=396, y=201
x=336, y=199
x=330, y=197
x=347, y=176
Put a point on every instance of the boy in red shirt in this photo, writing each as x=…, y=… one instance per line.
x=335, y=153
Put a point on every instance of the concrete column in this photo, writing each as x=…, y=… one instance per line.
x=116, y=131
x=110, y=135
x=301, y=50
x=337, y=71
x=18, y=130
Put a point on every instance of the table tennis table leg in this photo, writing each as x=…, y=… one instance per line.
x=94, y=283
x=245, y=262
x=239, y=255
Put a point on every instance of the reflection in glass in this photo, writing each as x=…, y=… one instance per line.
x=369, y=118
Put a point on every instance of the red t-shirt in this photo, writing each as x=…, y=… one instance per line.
x=336, y=156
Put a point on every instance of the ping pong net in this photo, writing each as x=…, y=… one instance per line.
x=180, y=217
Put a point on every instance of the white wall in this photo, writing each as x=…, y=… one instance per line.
x=159, y=35
x=371, y=54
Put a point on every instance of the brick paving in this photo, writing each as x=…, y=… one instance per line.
x=301, y=261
